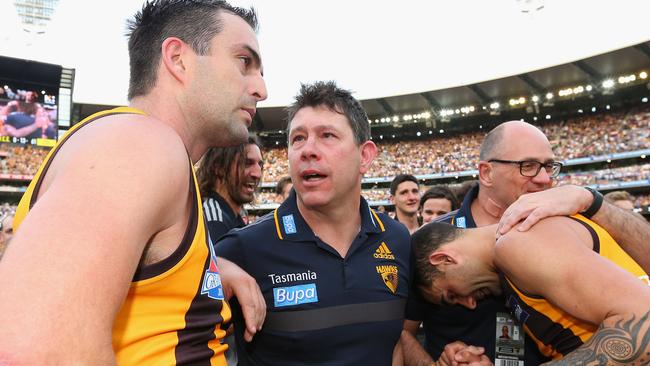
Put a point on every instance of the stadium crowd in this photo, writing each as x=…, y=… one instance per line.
x=586, y=136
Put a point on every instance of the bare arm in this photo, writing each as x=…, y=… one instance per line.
x=567, y=273
x=628, y=229
x=244, y=287
x=75, y=254
x=414, y=353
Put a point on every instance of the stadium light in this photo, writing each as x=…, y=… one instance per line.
x=609, y=83
x=644, y=99
x=549, y=95
x=643, y=75
x=588, y=87
x=535, y=98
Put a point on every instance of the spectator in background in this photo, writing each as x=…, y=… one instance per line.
x=228, y=178
x=622, y=199
x=405, y=195
x=283, y=188
x=6, y=231
x=460, y=190
x=437, y=201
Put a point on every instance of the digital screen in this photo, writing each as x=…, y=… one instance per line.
x=28, y=115
x=29, y=102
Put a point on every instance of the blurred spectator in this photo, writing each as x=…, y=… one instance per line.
x=622, y=199
x=437, y=201
x=405, y=195
x=283, y=188
x=460, y=190
x=6, y=231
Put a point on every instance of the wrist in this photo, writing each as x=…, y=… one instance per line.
x=595, y=205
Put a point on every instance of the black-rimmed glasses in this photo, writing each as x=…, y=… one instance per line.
x=530, y=168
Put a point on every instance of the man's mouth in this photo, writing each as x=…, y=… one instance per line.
x=250, y=111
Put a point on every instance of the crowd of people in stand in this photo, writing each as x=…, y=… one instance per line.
x=591, y=135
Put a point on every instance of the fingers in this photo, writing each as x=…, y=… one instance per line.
x=253, y=309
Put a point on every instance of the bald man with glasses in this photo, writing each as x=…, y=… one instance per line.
x=515, y=192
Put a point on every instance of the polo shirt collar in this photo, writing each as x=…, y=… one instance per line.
x=290, y=225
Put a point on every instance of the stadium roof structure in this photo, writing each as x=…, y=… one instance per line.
x=592, y=72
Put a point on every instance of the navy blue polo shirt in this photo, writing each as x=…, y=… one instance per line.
x=322, y=309
x=446, y=324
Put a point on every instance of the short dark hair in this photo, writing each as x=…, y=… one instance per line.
x=427, y=240
x=440, y=192
x=195, y=22
x=216, y=164
x=279, y=188
x=619, y=196
x=399, y=179
x=491, y=143
x=326, y=93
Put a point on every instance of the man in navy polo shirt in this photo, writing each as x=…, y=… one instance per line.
x=334, y=273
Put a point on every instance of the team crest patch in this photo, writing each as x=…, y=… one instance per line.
x=383, y=252
x=389, y=276
x=289, y=224
x=460, y=222
x=211, y=279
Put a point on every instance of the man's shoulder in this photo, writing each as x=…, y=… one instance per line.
x=391, y=225
x=263, y=228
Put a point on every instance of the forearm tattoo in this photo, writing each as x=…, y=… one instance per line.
x=627, y=342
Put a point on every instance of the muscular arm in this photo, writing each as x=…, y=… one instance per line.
x=414, y=353
x=65, y=278
x=629, y=230
x=567, y=273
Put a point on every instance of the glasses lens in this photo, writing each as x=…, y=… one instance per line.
x=529, y=168
x=555, y=169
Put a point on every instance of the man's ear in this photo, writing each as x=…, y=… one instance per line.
x=485, y=172
x=174, y=58
x=442, y=258
x=368, y=154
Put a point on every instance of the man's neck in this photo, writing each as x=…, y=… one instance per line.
x=335, y=225
x=158, y=105
x=409, y=220
x=485, y=210
x=223, y=192
x=481, y=244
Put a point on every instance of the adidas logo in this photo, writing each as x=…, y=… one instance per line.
x=383, y=252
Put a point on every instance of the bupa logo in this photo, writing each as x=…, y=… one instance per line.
x=289, y=224
x=295, y=295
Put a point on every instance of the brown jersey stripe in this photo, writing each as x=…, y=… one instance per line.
x=200, y=319
x=549, y=333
